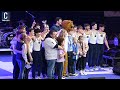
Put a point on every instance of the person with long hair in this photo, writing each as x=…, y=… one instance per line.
x=20, y=29
x=29, y=43
x=21, y=57
x=83, y=49
x=61, y=59
x=64, y=35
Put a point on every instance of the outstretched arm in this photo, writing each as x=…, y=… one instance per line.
x=106, y=42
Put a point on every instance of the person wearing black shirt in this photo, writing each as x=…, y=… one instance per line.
x=57, y=27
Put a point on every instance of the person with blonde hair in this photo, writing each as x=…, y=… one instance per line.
x=21, y=57
x=64, y=34
x=83, y=49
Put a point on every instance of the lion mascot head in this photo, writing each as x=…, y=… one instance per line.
x=67, y=25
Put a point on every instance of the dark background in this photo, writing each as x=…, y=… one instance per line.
x=79, y=18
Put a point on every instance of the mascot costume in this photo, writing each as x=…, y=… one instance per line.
x=67, y=26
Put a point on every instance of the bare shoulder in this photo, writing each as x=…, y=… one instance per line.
x=104, y=33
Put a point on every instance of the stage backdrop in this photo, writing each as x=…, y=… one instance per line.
x=112, y=21
x=79, y=17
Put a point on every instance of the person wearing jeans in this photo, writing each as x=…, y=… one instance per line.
x=51, y=52
x=21, y=57
x=50, y=68
x=75, y=54
x=61, y=58
x=21, y=64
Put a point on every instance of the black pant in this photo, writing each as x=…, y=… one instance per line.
x=26, y=71
x=37, y=63
x=87, y=56
x=70, y=63
x=81, y=63
x=92, y=55
x=44, y=62
x=74, y=66
x=59, y=69
x=15, y=67
x=100, y=51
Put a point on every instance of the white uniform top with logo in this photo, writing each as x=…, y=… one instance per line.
x=93, y=37
x=31, y=46
x=50, y=52
x=100, y=38
x=86, y=37
x=37, y=45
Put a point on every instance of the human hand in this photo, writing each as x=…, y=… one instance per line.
x=31, y=59
x=27, y=62
x=33, y=24
x=74, y=53
x=108, y=49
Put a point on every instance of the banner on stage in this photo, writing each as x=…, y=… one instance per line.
x=111, y=13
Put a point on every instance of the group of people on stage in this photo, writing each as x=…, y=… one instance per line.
x=44, y=50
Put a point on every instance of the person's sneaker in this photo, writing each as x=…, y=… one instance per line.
x=44, y=76
x=72, y=74
x=38, y=77
x=66, y=75
x=81, y=72
x=102, y=68
x=84, y=73
x=99, y=67
x=55, y=77
x=76, y=74
x=91, y=69
x=96, y=69
x=87, y=70
x=63, y=77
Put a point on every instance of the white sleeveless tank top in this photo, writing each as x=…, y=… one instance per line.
x=86, y=37
x=93, y=38
x=100, y=38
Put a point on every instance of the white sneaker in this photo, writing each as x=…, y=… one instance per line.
x=75, y=74
x=87, y=70
x=91, y=69
x=63, y=77
x=84, y=73
x=38, y=77
x=96, y=68
x=81, y=72
x=102, y=68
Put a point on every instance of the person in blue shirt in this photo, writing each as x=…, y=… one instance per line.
x=75, y=46
x=57, y=27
